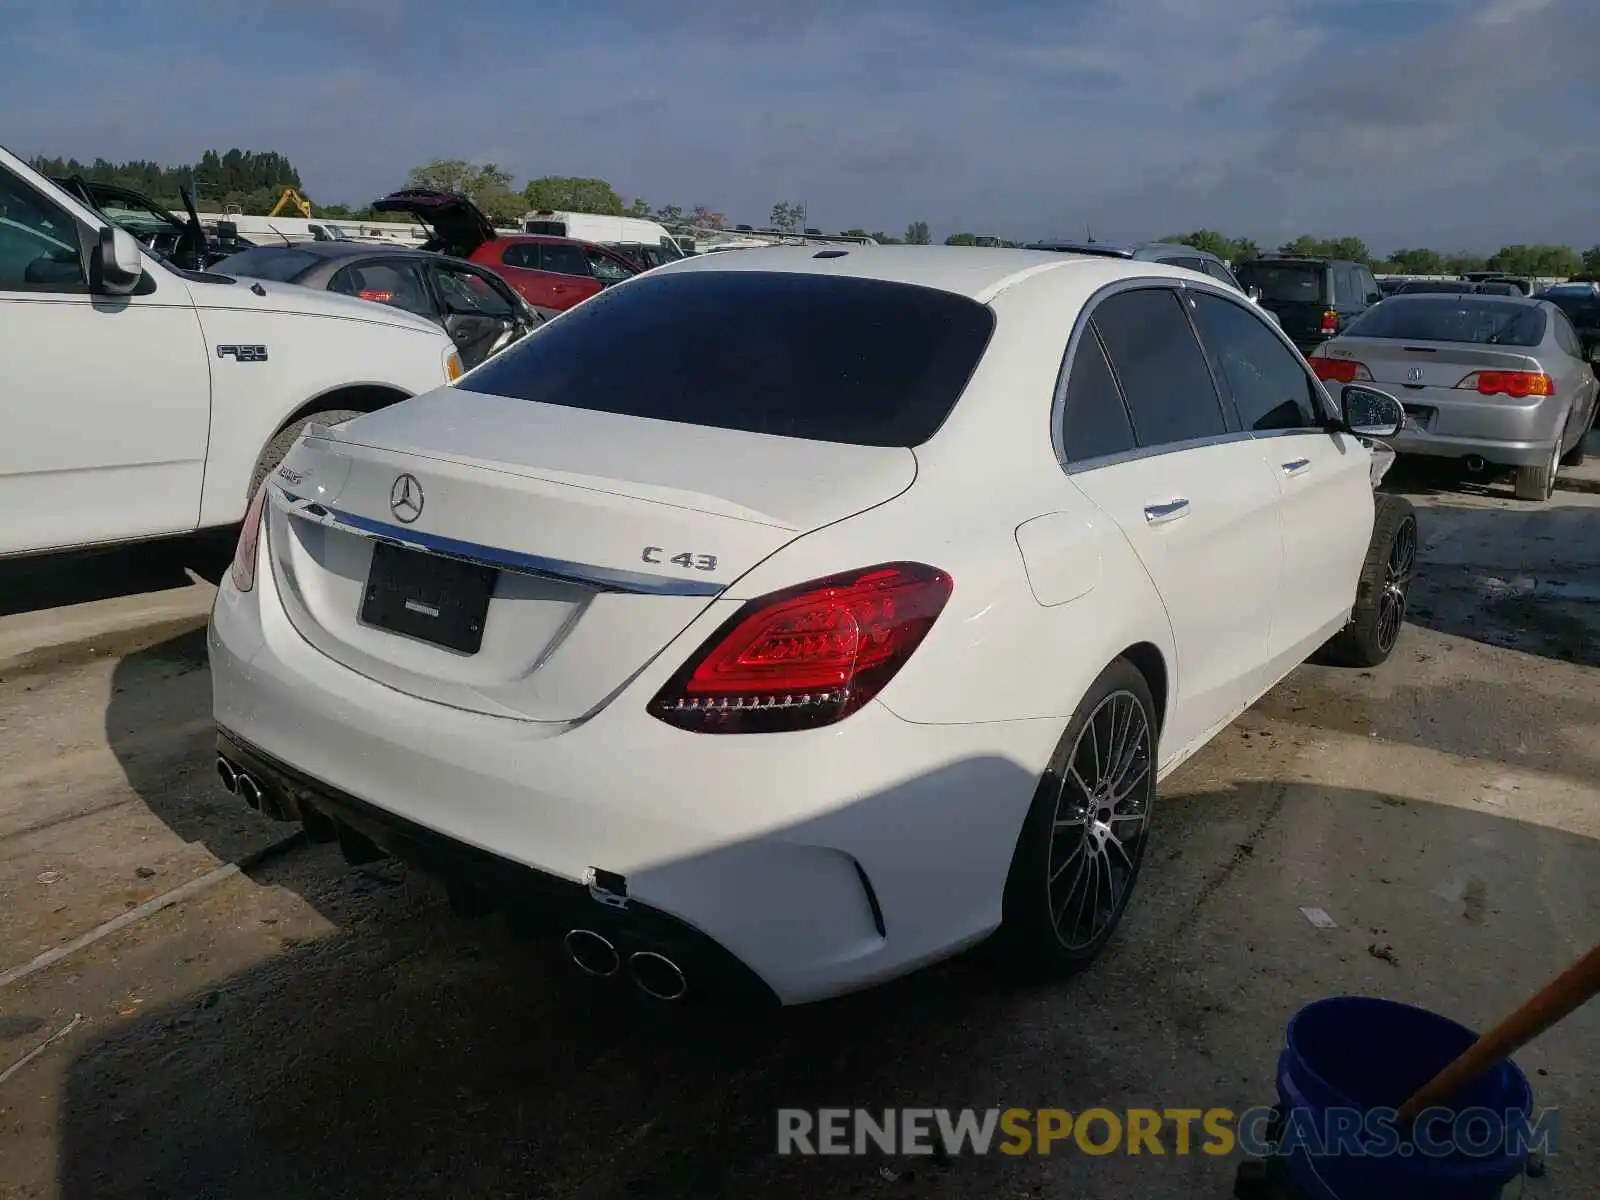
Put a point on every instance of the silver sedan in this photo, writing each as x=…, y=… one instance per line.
x=1496, y=381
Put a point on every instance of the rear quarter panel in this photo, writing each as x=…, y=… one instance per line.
x=1019, y=639
x=308, y=356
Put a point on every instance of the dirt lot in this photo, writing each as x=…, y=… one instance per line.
x=300, y=1029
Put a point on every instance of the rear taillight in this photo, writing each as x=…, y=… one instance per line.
x=806, y=656
x=1330, y=321
x=244, y=554
x=1519, y=384
x=1339, y=370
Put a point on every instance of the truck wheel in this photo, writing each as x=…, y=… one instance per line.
x=1082, y=844
x=286, y=437
x=1539, y=483
x=1380, y=607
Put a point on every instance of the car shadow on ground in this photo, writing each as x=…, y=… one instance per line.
x=57, y=580
x=408, y=1053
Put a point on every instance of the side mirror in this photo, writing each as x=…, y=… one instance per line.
x=1253, y=293
x=118, y=261
x=1370, y=413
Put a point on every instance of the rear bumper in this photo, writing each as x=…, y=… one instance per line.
x=531, y=897
x=1499, y=430
x=820, y=862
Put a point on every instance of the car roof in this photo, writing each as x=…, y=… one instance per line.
x=352, y=249
x=979, y=273
x=1466, y=298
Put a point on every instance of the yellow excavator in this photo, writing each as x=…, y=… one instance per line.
x=291, y=197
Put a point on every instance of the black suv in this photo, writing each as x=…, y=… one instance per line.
x=1315, y=298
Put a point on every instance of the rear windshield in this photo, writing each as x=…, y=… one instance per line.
x=1286, y=282
x=1442, y=319
x=1456, y=287
x=267, y=262
x=827, y=358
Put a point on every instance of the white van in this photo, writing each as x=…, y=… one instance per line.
x=145, y=399
x=608, y=231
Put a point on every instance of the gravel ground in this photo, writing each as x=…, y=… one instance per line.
x=304, y=1029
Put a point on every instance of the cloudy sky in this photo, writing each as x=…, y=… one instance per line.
x=1447, y=123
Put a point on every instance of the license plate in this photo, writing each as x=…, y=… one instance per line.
x=442, y=601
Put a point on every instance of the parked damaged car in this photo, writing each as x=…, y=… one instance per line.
x=551, y=273
x=185, y=244
x=480, y=311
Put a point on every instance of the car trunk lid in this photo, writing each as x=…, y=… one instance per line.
x=527, y=560
x=457, y=224
x=1416, y=365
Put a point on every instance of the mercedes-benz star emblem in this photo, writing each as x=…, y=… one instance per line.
x=1414, y=374
x=405, y=499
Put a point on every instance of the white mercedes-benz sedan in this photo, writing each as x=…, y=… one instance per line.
x=777, y=622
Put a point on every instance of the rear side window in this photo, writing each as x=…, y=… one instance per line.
x=1094, y=422
x=1153, y=351
x=1218, y=272
x=268, y=262
x=1289, y=283
x=1451, y=319
x=1566, y=336
x=521, y=254
x=396, y=284
x=563, y=258
x=827, y=358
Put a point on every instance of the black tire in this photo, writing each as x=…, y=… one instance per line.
x=1538, y=484
x=286, y=437
x=1575, y=457
x=1382, y=592
x=1044, y=934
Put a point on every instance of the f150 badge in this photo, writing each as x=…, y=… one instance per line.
x=243, y=354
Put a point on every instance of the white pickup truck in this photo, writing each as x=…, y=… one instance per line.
x=139, y=399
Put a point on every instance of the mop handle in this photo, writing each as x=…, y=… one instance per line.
x=1564, y=994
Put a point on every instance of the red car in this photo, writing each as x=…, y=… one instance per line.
x=550, y=273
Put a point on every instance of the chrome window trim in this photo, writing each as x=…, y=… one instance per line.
x=605, y=579
x=1207, y=286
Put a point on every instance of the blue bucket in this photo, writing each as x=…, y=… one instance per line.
x=1360, y=1053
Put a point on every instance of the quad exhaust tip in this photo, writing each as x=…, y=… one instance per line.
x=250, y=790
x=229, y=777
x=592, y=954
x=656, y=975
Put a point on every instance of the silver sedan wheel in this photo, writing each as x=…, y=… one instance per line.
x=1102, y=809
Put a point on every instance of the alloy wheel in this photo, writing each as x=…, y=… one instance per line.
x=1101, y=814
x=1396, y=584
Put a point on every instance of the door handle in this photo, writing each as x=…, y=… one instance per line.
x=1295, y=467
x=1160, y=514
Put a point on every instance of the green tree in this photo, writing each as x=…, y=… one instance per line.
x=1208, y=240
x=883, y=239
x=917, y=234
x=787, y=217
x=704, y=218
x=1421, y=261
x=1304, y=246
x=1245, y=250
x=961, y=239
x=561, y=193
x=1463, y=261
x=670, y=215
x=252, y=180
x=1591, y=261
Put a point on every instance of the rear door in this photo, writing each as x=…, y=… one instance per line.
x=550, y=275
x=1322, y=479
x=476, y=316
x=1146, y=438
